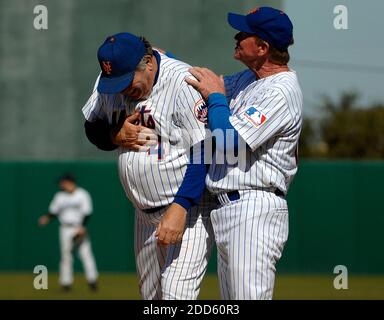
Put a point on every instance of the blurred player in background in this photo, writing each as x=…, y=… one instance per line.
x=73, y=207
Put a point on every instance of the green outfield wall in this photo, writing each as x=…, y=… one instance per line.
x=336, y=217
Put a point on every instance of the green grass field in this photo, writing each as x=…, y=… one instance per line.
x=124, y=286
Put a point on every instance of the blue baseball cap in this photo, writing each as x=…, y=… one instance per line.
x=269, y=24
x=119, y=56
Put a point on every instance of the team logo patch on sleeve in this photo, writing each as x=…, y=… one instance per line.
x=256, y=117
x=201, y=111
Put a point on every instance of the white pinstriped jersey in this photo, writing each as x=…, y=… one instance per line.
x=152, y=179
x=267, y=115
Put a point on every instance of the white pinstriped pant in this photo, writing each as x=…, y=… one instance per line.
x=250, y=236
x=174, y=272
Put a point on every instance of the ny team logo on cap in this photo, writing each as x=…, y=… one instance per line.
x=107, y=67
x=118, y=58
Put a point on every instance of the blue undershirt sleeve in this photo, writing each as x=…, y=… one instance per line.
x=226, y=136
x=193, y=185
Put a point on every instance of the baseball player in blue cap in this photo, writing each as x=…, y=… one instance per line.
x=173, y=235
x=262, y=107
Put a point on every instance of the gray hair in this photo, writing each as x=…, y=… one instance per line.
x=147, y=55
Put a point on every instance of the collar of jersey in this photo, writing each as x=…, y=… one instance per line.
x=158, y=59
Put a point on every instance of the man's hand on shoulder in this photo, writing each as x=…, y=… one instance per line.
x=207, y=82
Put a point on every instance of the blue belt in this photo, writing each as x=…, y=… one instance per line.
x=235, y=195
x=279, y=193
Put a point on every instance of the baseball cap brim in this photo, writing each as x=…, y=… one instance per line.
x=115, y=85
x=239, y=22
